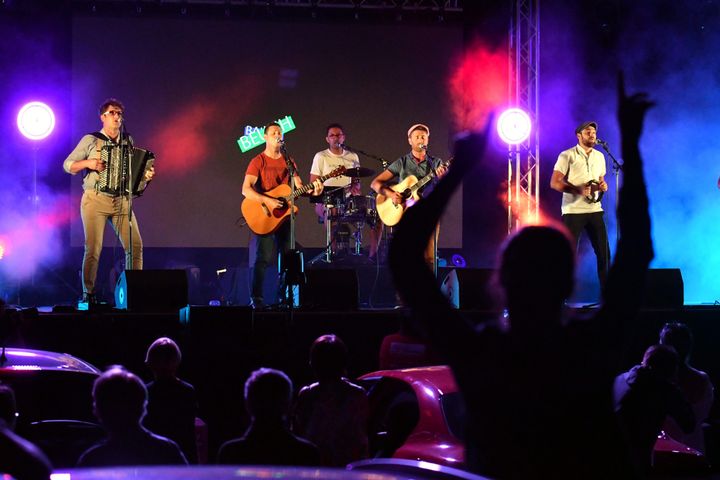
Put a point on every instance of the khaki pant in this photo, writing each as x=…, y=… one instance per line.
x=95, y=210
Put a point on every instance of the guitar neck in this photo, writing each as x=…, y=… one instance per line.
x=308, y=187
x=427, y=177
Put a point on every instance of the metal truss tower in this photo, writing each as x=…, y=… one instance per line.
x=523, y=195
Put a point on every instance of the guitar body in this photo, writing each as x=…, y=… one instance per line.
x=263, y=220
x=389, y=213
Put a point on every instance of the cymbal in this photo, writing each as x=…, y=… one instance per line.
x=359, y=172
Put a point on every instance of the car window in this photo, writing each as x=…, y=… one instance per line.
x=453, y=408
x=394, y=414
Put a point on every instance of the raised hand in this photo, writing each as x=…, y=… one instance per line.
x=631, y=112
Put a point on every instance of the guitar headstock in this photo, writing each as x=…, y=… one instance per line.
x=337, y=172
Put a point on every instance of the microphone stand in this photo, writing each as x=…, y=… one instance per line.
x=617, y=167
x=126, y=148
x=291, y=263
x=385, y=165
x=384, y=162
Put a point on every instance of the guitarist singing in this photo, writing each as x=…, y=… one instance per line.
x=265, y=172
x=417, y=164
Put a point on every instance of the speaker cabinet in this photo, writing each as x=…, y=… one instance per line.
x=664, y=288
x=330, y=289
x=469, y=288
x=151, y=290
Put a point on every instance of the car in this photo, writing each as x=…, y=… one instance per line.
x=418, y=414
x=53, y=392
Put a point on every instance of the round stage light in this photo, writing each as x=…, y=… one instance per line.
x=513, y=126
x=458, y=261
x=36, y=120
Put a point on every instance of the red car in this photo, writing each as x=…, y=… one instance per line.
x=418, y=414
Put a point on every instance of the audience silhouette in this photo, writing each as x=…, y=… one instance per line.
x=644, y=396
x=18, y=457
x=406, y=348
x=694, y=384
x=119, y=402
x=333, y=412
x=538, y=392
x=172, y=404
x=268, y=440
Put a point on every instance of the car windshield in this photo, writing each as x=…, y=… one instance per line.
x=453, y=407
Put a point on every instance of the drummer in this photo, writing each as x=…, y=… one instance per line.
x=328, y=160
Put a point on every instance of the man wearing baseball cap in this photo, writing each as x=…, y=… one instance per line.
x=579, y=174
x=418, y=164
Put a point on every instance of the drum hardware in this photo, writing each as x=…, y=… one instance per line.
x=358, y=172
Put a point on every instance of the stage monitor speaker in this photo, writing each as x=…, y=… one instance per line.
x=469, y=288
x=330, y=289
x=152, y=290
x=664, y=288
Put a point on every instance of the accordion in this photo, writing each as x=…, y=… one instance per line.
x=114, y=180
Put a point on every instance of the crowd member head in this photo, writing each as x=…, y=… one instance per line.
x=586, y=134
x=529, y=279
x=119, y=399
x=268, y=394
x=8, y=408
x=163, y=357
x=335, y=136
x=418, y=137
x=661, y=359
x=678, y=336
x=328, y=357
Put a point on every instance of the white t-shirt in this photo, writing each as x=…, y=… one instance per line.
x=326, y=161
x=579, y=169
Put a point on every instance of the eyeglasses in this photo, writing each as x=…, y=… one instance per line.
x=114, y=113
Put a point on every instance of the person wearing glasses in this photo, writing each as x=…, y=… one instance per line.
x=97, y=208
x=325, y=162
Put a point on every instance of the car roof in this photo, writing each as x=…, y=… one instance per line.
x=439, y=377
x=18, y=359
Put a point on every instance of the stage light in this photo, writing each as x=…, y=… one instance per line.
x=458, y=261
x=513, y=126
x=36, y=120
x=2, y=252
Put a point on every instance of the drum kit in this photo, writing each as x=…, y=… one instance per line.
x=342, y=208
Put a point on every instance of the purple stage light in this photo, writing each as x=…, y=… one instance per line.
x=514, y=126
x=458, y=261
x=36, y=120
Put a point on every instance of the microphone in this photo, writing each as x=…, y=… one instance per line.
x=423, y=146
x=280, y=141
x=344, y=146
x=601, y=142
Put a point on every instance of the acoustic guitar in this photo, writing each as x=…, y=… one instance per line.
x=263, y=220
x=389, y=213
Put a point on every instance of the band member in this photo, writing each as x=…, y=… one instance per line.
x=579, y=174
x=419, y=164
x=329, y=159
x=265, y=172
x=97, y=208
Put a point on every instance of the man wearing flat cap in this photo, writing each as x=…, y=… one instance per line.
x=579, y=174
x=418, y=164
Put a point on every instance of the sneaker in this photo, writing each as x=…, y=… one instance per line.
x=87, y=301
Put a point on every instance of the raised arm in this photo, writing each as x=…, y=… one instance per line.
x=634, y=250
x=413, y=279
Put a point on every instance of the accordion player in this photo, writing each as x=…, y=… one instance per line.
x=115, y=178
